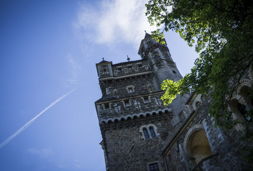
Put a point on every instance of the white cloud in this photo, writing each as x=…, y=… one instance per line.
x=113, y=21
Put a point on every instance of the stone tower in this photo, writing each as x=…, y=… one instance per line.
x=133, y=122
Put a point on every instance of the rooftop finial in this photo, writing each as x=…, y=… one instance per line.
x=103, y=59
x=128, y=59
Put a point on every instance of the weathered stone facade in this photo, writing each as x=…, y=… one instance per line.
x=199, y=143
x=140, y=134
x=134, y=123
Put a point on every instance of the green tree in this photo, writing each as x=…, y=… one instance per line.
x=222, y=33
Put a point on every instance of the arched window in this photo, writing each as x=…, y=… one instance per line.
x=148, y=131
x=152, y=131
x=145, y=132
x=198, y=146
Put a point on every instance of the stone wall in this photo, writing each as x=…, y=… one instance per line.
x=225, y=154
x=126, y=147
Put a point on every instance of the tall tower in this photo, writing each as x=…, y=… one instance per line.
x=133, y=122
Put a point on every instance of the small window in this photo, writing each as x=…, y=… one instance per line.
x=153, y=167
x=152, y=131
x=129, y=67
x=130, y=89
x=106, y=105
x=107, y=90
x=119, y=69
x=104, y=69
x=127, y=102
x=146, y=99
x=174, y=71
x=146, y=134
x=139, y=65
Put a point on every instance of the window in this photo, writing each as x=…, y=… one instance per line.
x=127, y=102
x=139, y=65
x=148, y=131
x=104, y=69
x=197, y=145
x=117, y=108
x=106, y=105
x=145, y=132
x=130, y=89
x=146, y=99
x=107, y=90
x=174, y=71
x=153, y=167
x=152, y=131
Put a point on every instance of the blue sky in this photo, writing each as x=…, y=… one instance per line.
x=49, y=48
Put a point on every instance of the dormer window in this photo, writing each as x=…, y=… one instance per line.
x=146, y=99
x=130, y=89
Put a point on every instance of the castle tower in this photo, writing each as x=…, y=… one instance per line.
x=133, y=122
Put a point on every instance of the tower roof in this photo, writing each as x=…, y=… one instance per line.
x=103, y=61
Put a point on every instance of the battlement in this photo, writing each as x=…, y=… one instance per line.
x=108, y=70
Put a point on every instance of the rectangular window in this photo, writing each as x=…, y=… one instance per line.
x=106, y=105
x=153, y=167
x=127, y=102
x=146, y=99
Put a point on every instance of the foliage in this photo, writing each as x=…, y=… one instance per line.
x=222, y=33
x=158, y=37
x=171, y=89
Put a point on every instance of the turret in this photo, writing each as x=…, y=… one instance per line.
x=159, y=58
x=104, y=69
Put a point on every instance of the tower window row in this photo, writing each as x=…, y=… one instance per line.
x=136, y=104
x=131, y=102
x=130, y=68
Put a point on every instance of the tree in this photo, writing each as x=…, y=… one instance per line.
x=222, y=33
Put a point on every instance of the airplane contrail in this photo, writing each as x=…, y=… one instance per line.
x=5, y=142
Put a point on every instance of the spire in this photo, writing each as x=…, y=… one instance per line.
x=128, y=59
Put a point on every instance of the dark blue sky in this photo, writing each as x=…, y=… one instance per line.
x=48, y=48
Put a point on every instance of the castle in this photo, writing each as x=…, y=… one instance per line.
x=141, y=134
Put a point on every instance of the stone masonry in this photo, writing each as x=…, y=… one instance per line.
x=134, y=123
